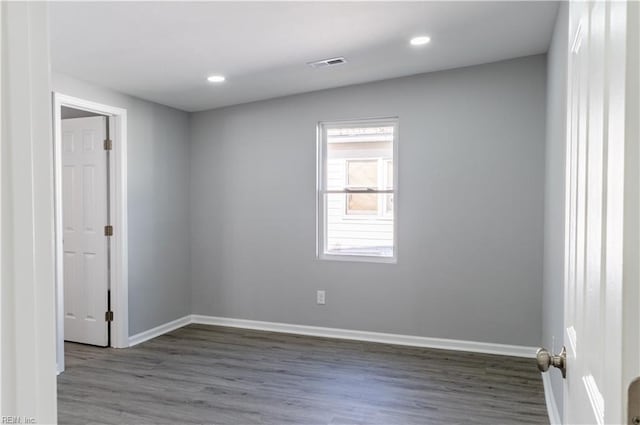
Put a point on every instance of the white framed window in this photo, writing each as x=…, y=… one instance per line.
x=357, y=193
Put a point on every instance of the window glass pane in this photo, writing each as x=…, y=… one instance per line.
x=365, y=147
x=361, y=175
x=388, y=202
x=372, y=235
x=362, y=203
x=388, y=205
x=389, y=171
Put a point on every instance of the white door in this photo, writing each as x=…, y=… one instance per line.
x=596, y=226
x=84, y=216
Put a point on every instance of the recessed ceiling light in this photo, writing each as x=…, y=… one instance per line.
x=420, y=41
x=216, y=78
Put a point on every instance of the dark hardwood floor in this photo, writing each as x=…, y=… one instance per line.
x=215, y=375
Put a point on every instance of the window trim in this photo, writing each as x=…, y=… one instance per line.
x=321, y=171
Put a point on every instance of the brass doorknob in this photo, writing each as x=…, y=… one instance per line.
x=545, y=360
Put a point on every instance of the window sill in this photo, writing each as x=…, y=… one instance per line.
x=358, y=258
x=367, y=218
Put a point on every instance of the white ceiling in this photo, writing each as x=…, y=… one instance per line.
x=164, y=51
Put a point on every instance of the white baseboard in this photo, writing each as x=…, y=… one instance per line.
x=409, y=340
x=159, y=330
x=386, y=338
x=552, y=406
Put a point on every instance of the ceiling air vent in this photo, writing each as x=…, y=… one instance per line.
x=327, y=62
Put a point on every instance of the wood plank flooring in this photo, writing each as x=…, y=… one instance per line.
x=216, y=375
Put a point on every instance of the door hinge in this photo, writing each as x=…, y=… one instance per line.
x=108, y=144
x=108, y=230
x=108, y=316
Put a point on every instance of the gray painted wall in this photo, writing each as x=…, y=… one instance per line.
x=69, y=113
x=553, y=298
x=158, y=173
x=470, y=205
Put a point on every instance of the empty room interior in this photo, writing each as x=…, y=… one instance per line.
x=320, y=212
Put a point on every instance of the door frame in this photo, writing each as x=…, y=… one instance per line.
x=119, y=282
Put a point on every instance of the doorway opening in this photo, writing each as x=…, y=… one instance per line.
x=90, y=160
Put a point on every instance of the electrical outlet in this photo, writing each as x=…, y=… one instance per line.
x=320, y=297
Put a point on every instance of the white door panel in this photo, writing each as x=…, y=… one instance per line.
x=84, y=215
x=595, y=215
